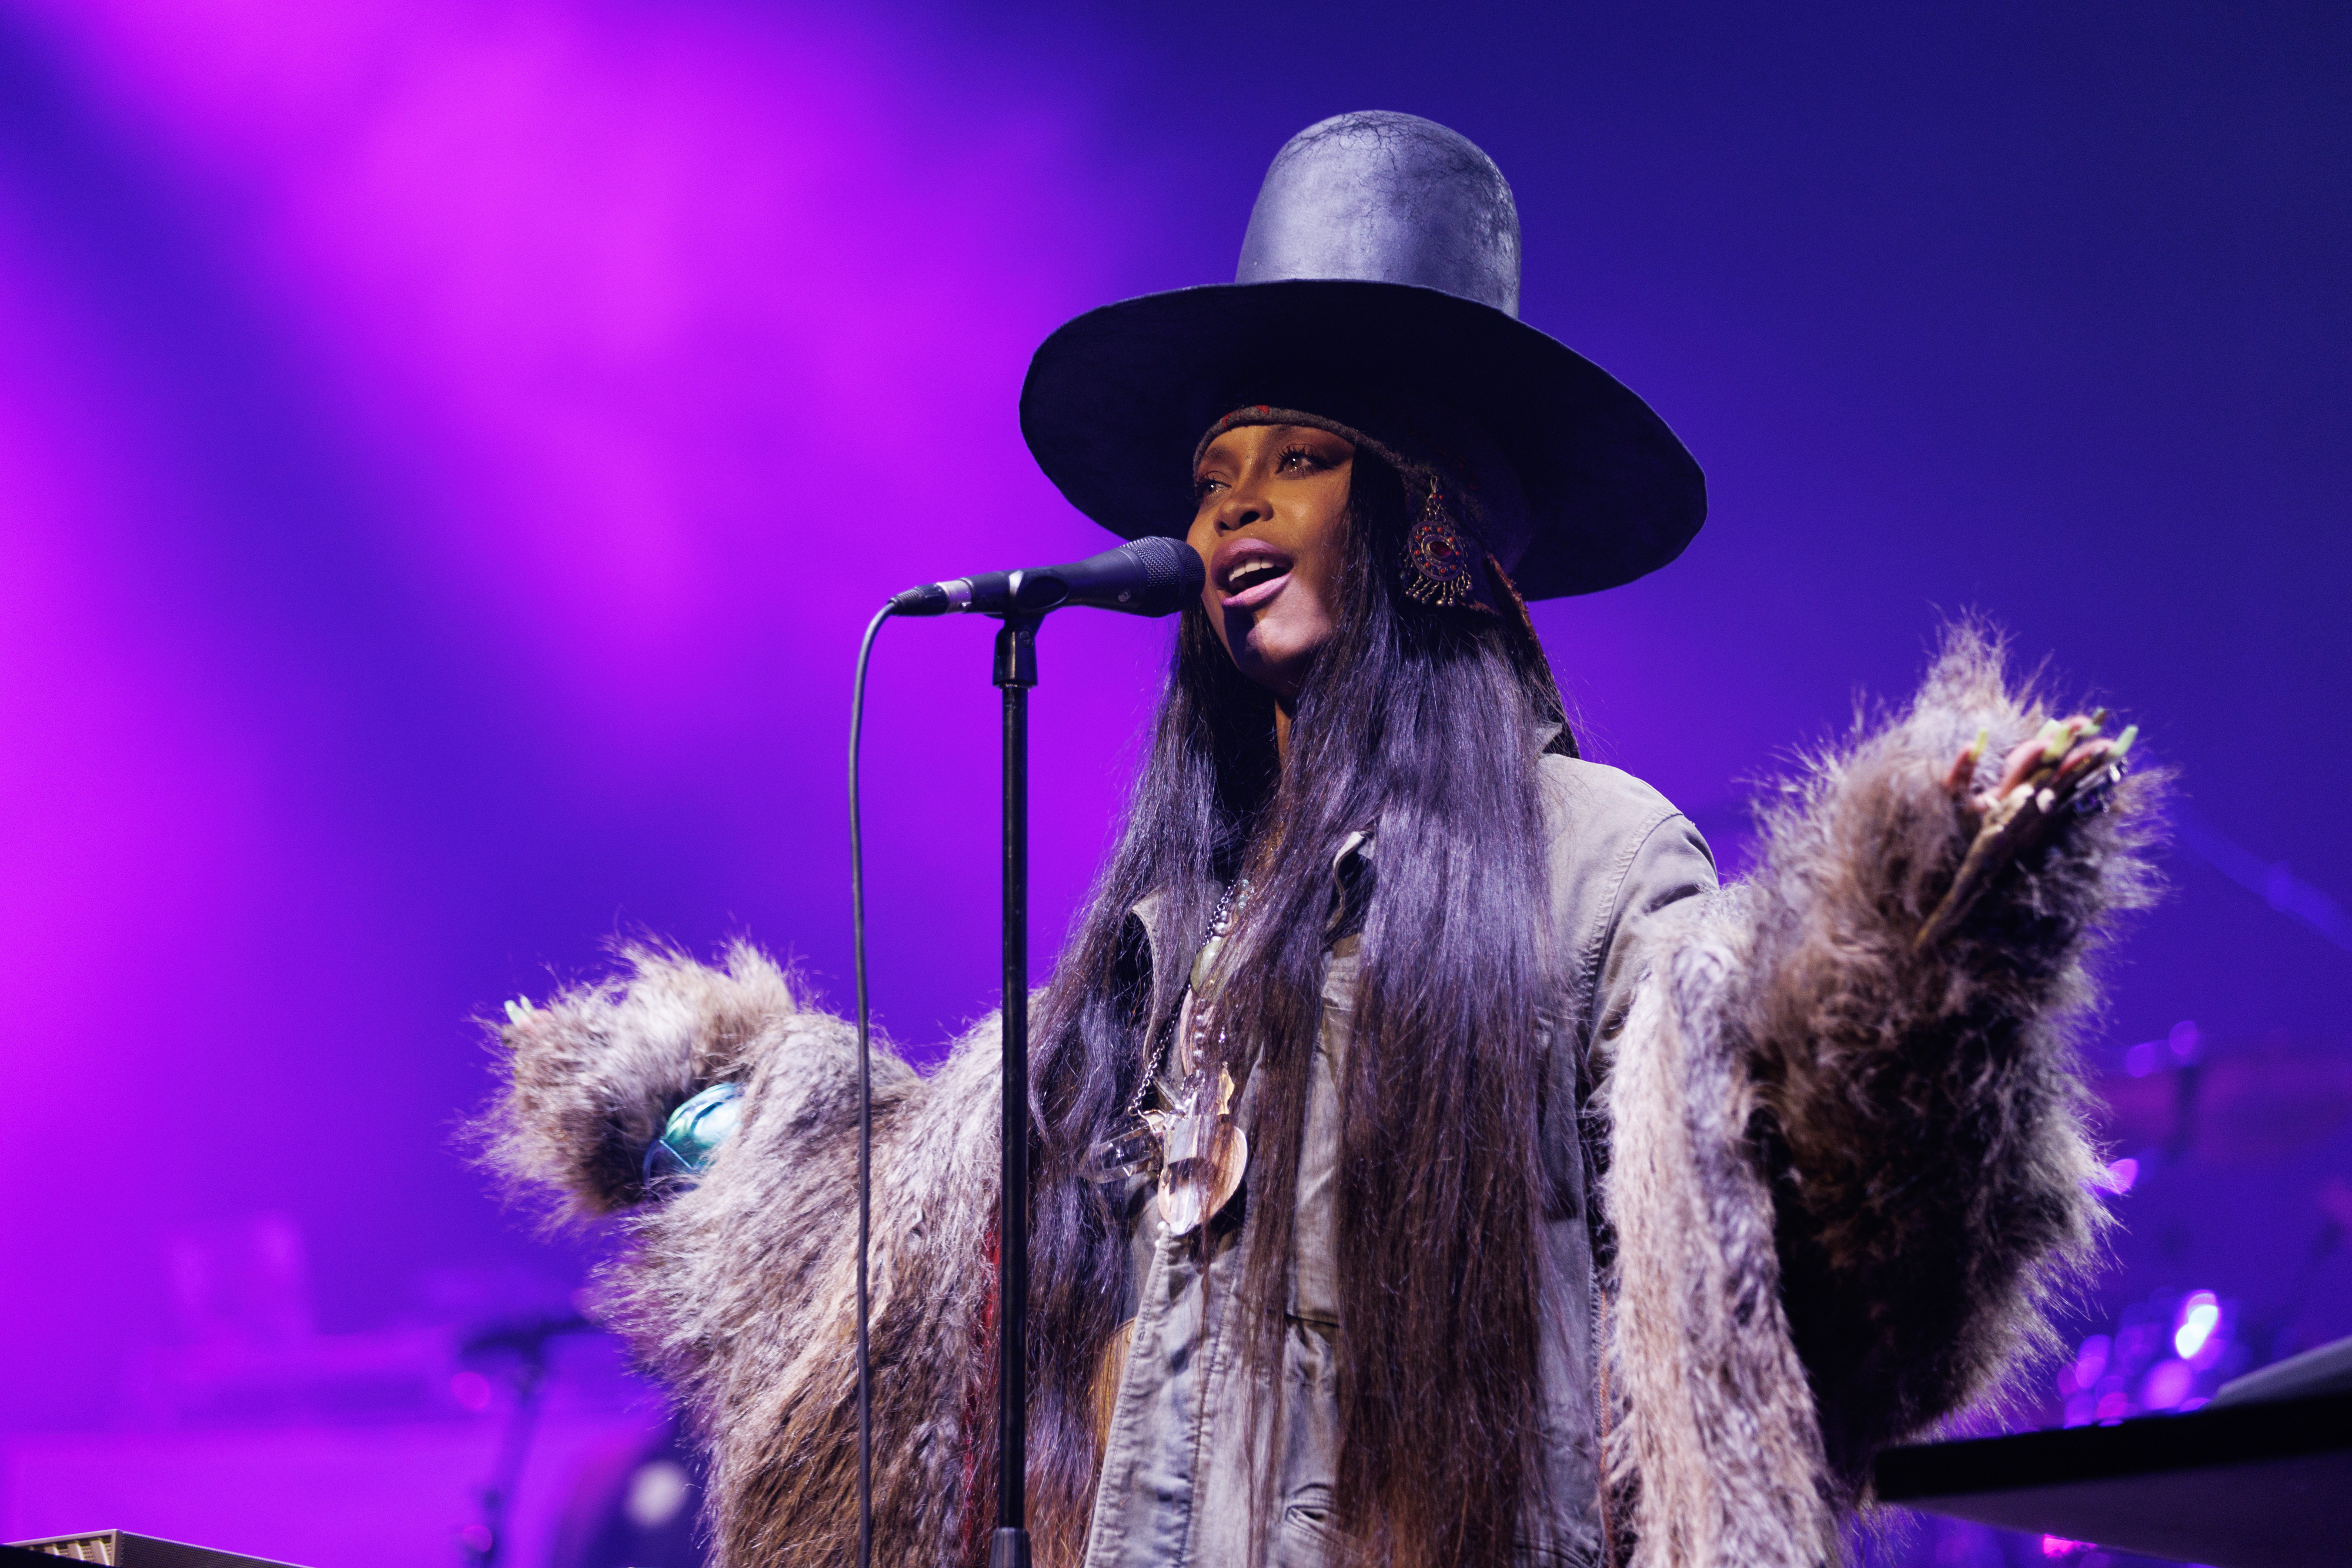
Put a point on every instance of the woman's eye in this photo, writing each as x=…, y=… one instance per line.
x=1297, y=455
x=1202, y=486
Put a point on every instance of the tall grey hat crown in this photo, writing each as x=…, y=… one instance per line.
x=1377, y=288
x=1387, y=198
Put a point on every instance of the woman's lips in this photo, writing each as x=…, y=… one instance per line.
x=1268, y=568
x=1258, y=593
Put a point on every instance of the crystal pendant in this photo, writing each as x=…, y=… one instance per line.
x=1205, y=1154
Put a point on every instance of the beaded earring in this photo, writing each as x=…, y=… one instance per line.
x=1441, y=565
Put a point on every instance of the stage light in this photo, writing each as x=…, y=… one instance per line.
x=2167, y=1385
x=2200, y=1314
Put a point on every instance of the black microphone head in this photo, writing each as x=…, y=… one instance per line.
x=1148, y=576
x=1173, y=574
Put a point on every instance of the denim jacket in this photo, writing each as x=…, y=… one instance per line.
x=1181, y=1458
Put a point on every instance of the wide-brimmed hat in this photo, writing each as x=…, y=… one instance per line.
x=1378, y=287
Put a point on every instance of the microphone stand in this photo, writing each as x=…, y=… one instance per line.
x=1016, y=672
x=1144, y=577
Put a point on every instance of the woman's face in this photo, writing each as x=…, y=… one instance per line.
x=1270, y=524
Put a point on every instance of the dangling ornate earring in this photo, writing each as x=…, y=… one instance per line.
x=1440, y=563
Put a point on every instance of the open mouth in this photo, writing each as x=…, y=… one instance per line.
x=1250, y=573
x=1255, y=575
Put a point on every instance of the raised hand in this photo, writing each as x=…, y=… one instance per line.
x=2066, y=768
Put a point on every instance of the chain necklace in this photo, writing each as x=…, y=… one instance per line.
x=1189, y=1019
x=1193, y=1146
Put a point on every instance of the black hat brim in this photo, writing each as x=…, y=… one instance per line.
x=1117, y=400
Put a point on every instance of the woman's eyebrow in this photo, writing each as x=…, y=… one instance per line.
x=1310, y=434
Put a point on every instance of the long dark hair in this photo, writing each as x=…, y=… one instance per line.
x=1421, y=727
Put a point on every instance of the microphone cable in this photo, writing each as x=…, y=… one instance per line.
x=864, y=1100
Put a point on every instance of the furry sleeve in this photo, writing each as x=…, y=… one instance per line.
x=1714, y=1450
x=1847, y=1177
x=1920, y=1113
x=740, y=1292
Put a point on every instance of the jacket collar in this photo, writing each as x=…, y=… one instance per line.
x=1149, y=910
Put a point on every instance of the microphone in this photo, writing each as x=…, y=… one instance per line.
x=1151, y=576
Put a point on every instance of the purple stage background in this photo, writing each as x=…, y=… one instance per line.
x=447, y=451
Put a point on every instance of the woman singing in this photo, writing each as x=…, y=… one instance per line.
x=1431, y=1164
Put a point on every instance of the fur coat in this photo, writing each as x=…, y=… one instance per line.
x=1844, y=1178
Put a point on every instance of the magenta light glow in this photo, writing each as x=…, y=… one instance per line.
x=429, y=429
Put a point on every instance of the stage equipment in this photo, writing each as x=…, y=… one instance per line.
x=2325, y=1370
x=122, y=1549
x=2258, y=1484
x=1148, y=576
x=484, y=1542
x=2226, y=1103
